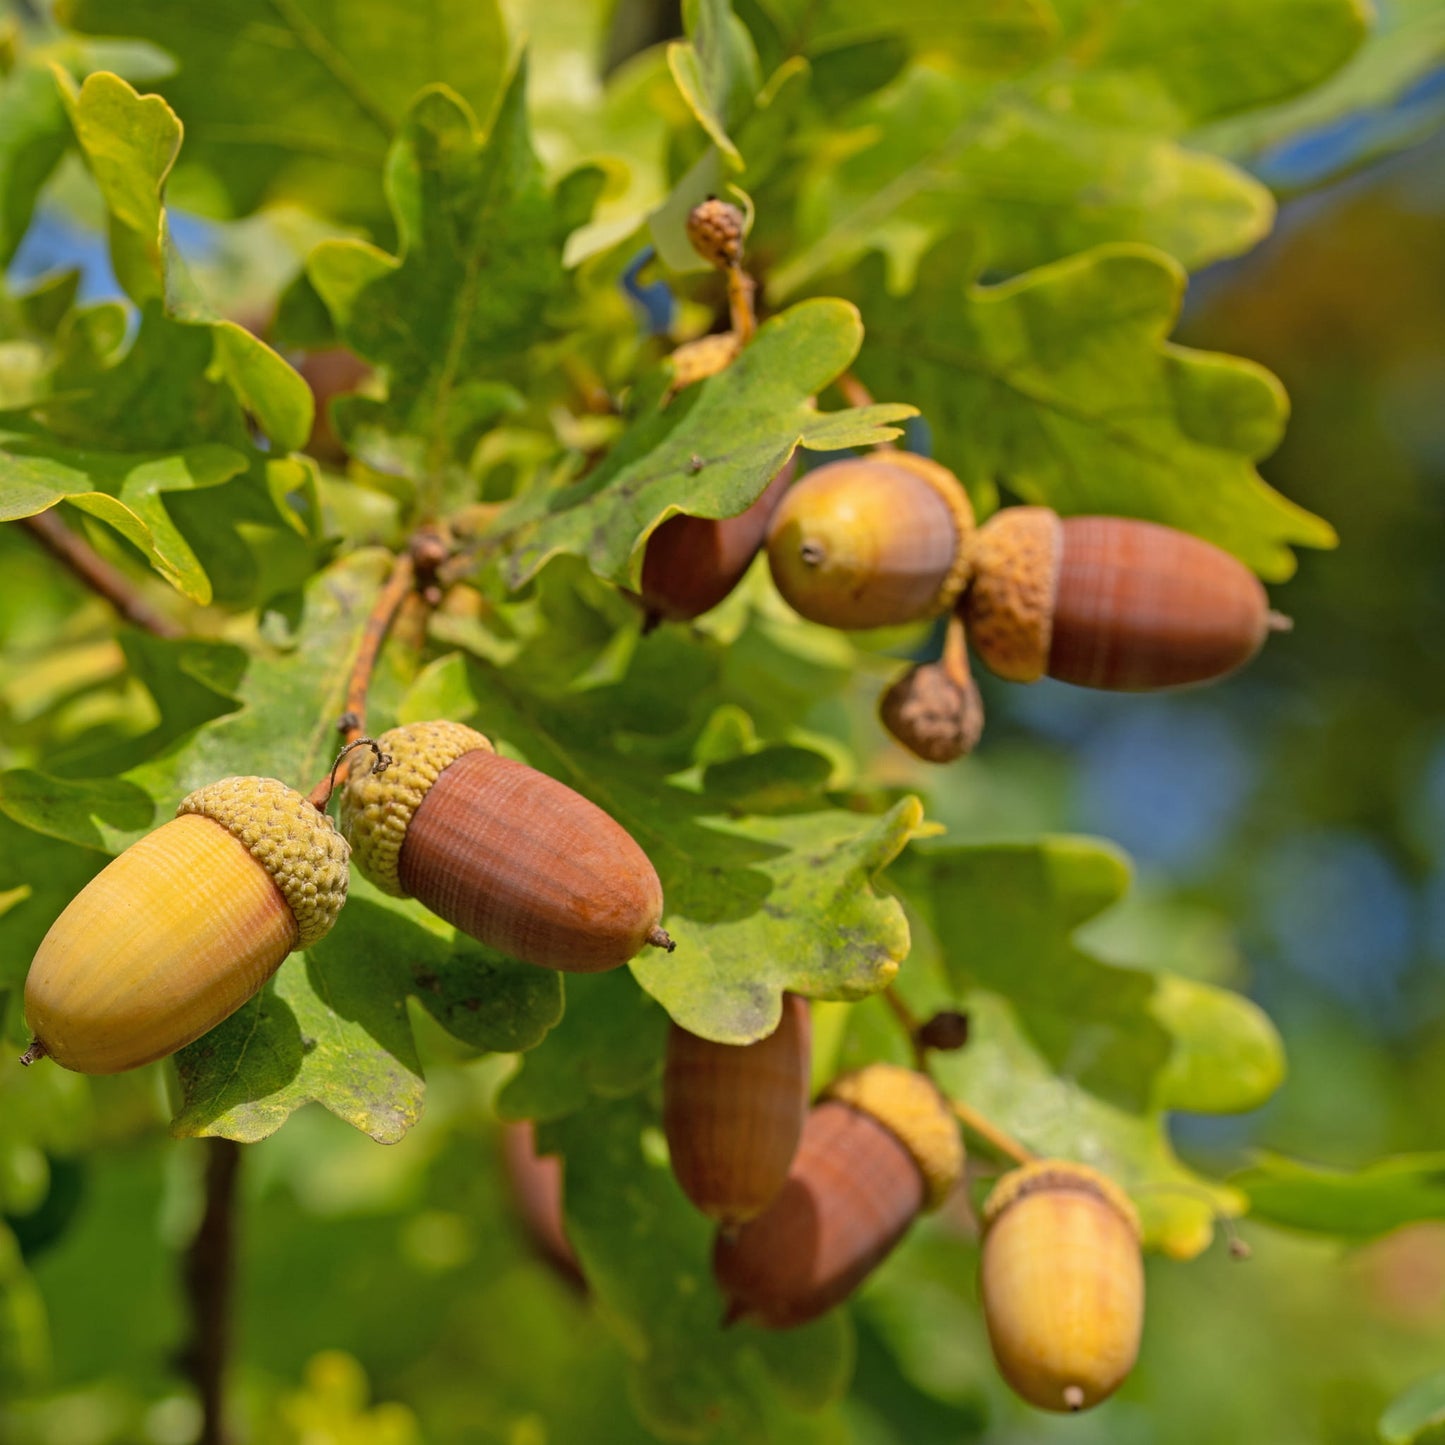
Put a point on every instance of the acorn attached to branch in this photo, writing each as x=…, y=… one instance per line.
x=179, y=930
x=1109, y=602
x=1062, y=1282
x=692, y=563
x=872, y=541
x=733, y=1113
x=504, y=853
x=879, y=1149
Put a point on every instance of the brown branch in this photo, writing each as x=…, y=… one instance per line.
x=742, y=316
x=910, y=1024
x=209, y=1273
x=99, y=575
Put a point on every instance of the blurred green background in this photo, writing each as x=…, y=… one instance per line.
x=1289, y=833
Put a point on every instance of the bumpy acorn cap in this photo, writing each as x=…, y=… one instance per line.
x=715, y=230
x=910, y=1107
x=1045, y=1174
x=293, y=841
x=377, y=808
x=1009, y=609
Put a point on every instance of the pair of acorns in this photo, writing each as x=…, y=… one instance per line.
x=184, y=926
x=888, y=539
x=810, y=1200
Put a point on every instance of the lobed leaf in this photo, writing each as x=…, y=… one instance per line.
x=1071, y=1055
x=1062, y=387
x=711, y=452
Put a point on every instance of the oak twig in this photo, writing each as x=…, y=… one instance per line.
x=209, y=1274
x=103, y=578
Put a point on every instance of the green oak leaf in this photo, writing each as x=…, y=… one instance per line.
x=1061, y=386
x=24, y=1328
x=1071, y=1055
x=33, y=137
x=646, y=1254
x=710, y=452
x=332, y=1027
x=716, y=70
x=757, y=903
x=1416, y=1417
x=987, y=35
x=300, y=103
x=451, y=317
x=123, y=489
x=1353, y=1204
x=1029, y=178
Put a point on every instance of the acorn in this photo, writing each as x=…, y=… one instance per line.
x=504, y=853
x=872, y=541
x=935, y=709
x=535, y=1183
x=879, y=1149
x=1109, y=602
x=733, y=1113
x=692, y=563
x=184, y=926
x=1062, y=1283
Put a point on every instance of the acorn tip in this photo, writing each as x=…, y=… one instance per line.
x=37, y=1050
x=1278, y=622
x=659, y=937
x=1074, y=1397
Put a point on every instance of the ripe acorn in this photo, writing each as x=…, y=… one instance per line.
x=692, y=563
x=178, y=931
x=504, y=853
x=1109, y=602
x=733, y=1113
x=1062, y=1283
x=879, y=1149
x=535, y=1181
x=872, y=541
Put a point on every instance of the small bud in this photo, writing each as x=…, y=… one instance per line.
x=715, y=230
x=946, y=1031
x=931, y=715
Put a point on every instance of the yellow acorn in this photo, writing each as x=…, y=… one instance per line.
x=501, y=851
x=1062, y=1283
x=872, y=541
x=182, y=928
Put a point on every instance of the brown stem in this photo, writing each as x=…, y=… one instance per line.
x=99, y=575
x=955, y=653
x=910, y=1023
x=209, y=1273
x=990, y=1133
x=740, y=303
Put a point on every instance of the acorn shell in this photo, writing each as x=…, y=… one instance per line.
x=179, y=930
x=535, y=1183
x=503, y=852
x=1108, y=602
x=871, y=542
x=733, y=1114
x=1139, y=606
x=1062, y=1283
x=692, y=563
x=850, y=1196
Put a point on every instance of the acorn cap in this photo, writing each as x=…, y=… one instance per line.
x=910, y=1107
x=377, y=808
x=1009, y=608
x=715, y=231
x=1046, y=1174
x=293, y=841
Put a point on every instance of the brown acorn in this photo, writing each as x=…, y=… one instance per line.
x=733, y=1113
x=879, y=1149
x=872, y=541
x=178, y=931
x=692, y=563
x=1109, y=602
x=535, y=1182
x=1062, y=1283
x=504, y=853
